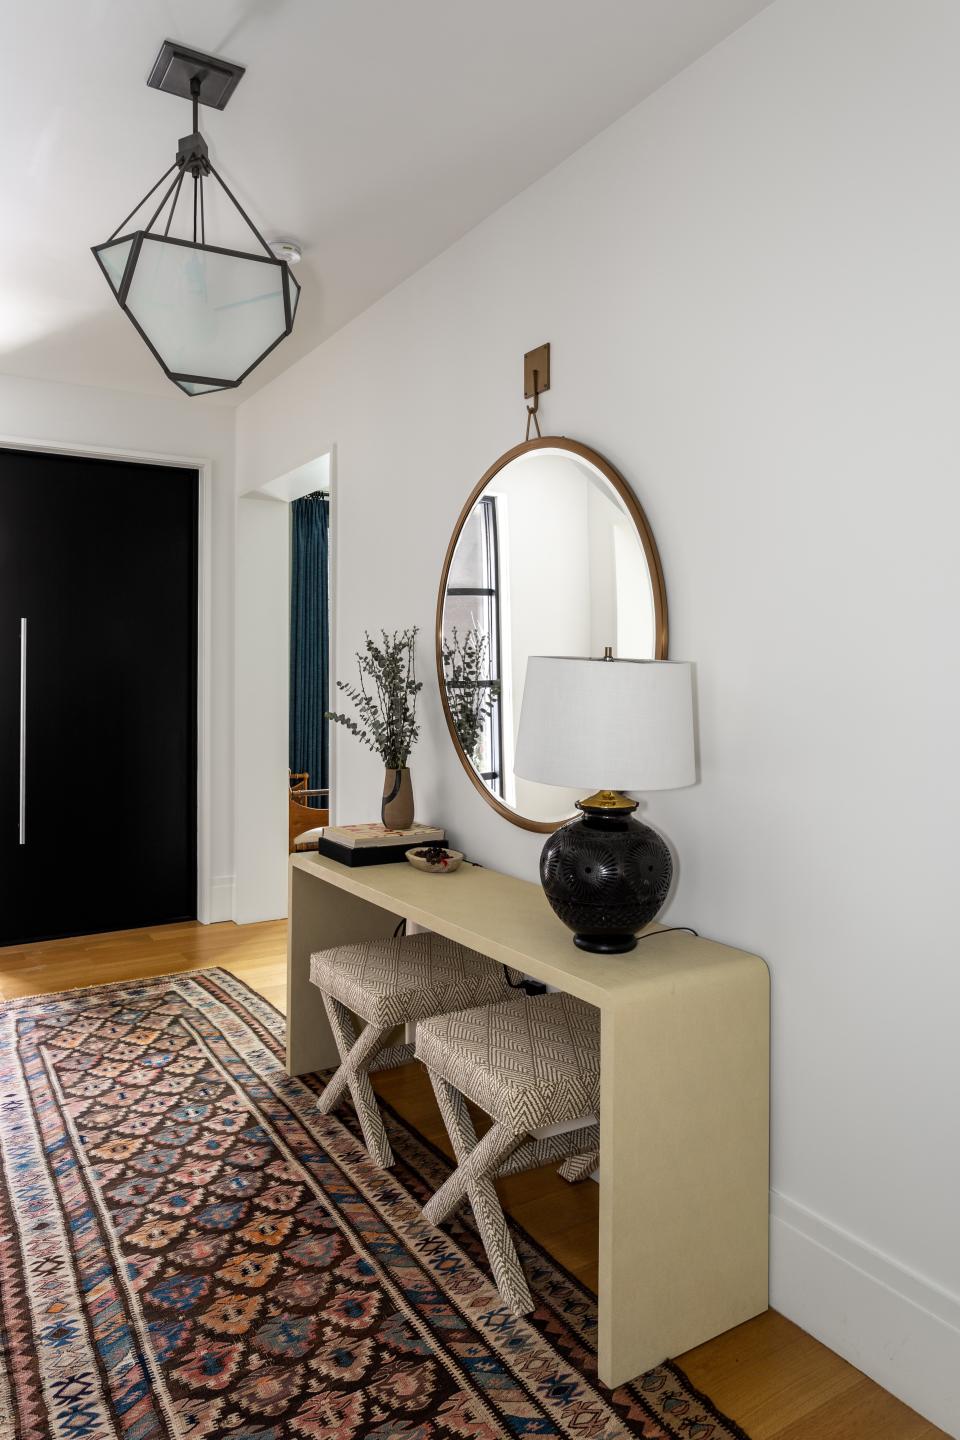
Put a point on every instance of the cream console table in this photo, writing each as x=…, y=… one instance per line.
x=684, y=1086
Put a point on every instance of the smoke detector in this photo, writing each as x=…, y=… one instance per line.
x=288, y=250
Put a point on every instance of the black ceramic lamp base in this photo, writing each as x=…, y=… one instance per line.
x=605, y=944
x=606, y=875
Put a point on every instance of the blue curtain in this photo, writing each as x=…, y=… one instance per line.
x=309, y=644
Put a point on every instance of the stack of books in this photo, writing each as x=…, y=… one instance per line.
x=375, y=844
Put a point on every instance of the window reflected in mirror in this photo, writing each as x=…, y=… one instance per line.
x=472, y=644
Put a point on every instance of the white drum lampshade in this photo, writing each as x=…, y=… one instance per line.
x=615, y=724
x=608, y=725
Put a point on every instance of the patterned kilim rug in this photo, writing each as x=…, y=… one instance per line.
x=187, y=1249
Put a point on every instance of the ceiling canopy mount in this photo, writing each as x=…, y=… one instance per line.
x=176, y=69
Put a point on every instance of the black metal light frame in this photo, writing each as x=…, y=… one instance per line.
x=175, y=68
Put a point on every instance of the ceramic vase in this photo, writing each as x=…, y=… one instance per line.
x=396, y=812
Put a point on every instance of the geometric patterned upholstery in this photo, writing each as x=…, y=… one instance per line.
x=410, y=977
x=386, y=983
x=528, y=1062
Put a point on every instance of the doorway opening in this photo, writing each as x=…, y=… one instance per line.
x=306, y=493
x=265, y=519
x=309, y=697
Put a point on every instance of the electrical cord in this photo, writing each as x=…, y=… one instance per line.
x=529, y=987
x=666, y=929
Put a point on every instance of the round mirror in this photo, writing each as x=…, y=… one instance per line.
x=551, y=555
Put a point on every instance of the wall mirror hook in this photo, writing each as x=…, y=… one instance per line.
x=536, y=379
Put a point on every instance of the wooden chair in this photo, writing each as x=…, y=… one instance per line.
x=303, y=815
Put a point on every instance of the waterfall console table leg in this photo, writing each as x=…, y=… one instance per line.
x=684, y=1162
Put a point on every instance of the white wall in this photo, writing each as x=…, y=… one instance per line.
x=751, y=288
x=78, y=416
x=263, y=708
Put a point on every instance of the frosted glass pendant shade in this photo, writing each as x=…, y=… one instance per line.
x=209, y=315
x=113, y=261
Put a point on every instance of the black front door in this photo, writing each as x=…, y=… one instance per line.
x=98, y=702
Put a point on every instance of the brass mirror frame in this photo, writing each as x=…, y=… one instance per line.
x=635, y=511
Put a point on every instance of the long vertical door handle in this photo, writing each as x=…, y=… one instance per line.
x=23, y=731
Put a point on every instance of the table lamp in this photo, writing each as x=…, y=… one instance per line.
x=625, y=722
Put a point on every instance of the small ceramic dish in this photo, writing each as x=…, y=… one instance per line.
x=435, y=859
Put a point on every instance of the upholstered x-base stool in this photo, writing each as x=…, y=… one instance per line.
x=534, y=1066
x=387, y=983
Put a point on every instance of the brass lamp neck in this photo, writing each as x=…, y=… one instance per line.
x=607, y=800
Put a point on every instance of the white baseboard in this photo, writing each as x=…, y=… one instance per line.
x=219, y=900
x=893, y=1324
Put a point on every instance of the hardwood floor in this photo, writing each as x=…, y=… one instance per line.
x=776, y=1381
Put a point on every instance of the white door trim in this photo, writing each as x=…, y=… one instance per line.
x=204, y=644
x=262, y=670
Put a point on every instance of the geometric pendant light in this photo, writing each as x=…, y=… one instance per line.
x=209, y=314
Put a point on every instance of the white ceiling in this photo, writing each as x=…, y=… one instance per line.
x=375, y=132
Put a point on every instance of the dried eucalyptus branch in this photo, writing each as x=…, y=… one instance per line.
x=471, y=694
x=387, y=711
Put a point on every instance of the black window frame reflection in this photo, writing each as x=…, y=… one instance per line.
x=490, y=593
